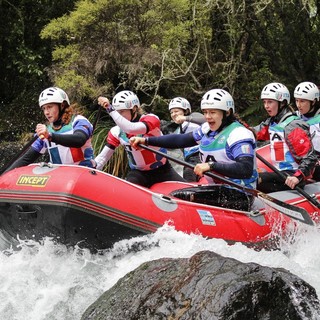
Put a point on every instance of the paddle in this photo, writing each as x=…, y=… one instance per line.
x=97, y=118
x=19, y=154
x=313, y=200
x=292, y=211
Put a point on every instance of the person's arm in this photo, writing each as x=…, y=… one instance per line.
x=29, y=157
x=82, y=132
x=74, y=140
x=128, y=126
x=172, y=141
x=139, y=127
x=196, y=117
x=112, y=142
x=104, y=156
x=241, y=169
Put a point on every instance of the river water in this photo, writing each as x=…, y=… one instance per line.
x=49, y=281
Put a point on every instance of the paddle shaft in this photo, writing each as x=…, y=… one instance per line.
x=97, y=118
x=20, y=154
x=292, y=211
x=314, y=201
x=209, y=174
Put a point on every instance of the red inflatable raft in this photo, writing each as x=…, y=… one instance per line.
x=73, y=203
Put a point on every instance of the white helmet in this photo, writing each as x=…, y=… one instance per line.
x=124, y=100
x=217, y=99
x=306, y=90
x=53, y=95
x=276, y=91
x=180, y=103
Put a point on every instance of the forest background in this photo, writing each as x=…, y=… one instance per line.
x=159, y=49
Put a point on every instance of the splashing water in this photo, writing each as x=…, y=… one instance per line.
x=51, y=281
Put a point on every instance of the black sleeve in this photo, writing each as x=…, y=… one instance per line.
x=74, y=140
x=173, y=141
x=29, y=157
x=241, y=169
x=196, y=117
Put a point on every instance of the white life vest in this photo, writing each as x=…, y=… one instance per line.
x=65, y=155
x=186, y=128
x=314, y=124
x=281, y=156
x=215, y=148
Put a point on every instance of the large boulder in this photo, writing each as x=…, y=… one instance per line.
x=206, y=286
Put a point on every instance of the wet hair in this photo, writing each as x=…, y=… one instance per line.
x=139, y=112
x=67, y=112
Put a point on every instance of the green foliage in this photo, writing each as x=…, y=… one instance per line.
x=162, y=49
x=71, y=81
x=121, y=33
x=24, y=58
x=66, y=55
x=118, y=164
x=159, y=49
x=26, y=62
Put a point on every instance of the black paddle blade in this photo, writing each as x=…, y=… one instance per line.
x=288, y=209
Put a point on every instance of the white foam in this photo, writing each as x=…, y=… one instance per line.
x=50, y=281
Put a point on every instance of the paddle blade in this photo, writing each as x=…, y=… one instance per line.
x=288, y=209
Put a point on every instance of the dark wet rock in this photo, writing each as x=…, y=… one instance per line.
x=206, y=286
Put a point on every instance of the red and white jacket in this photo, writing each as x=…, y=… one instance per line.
x=290, y=144
x=146, y=126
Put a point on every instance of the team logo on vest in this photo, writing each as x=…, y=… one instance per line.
x=221, y=139
x=245, y=148
x=33, y=181
x=276, y=136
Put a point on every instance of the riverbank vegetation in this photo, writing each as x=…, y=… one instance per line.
x=158, y=49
